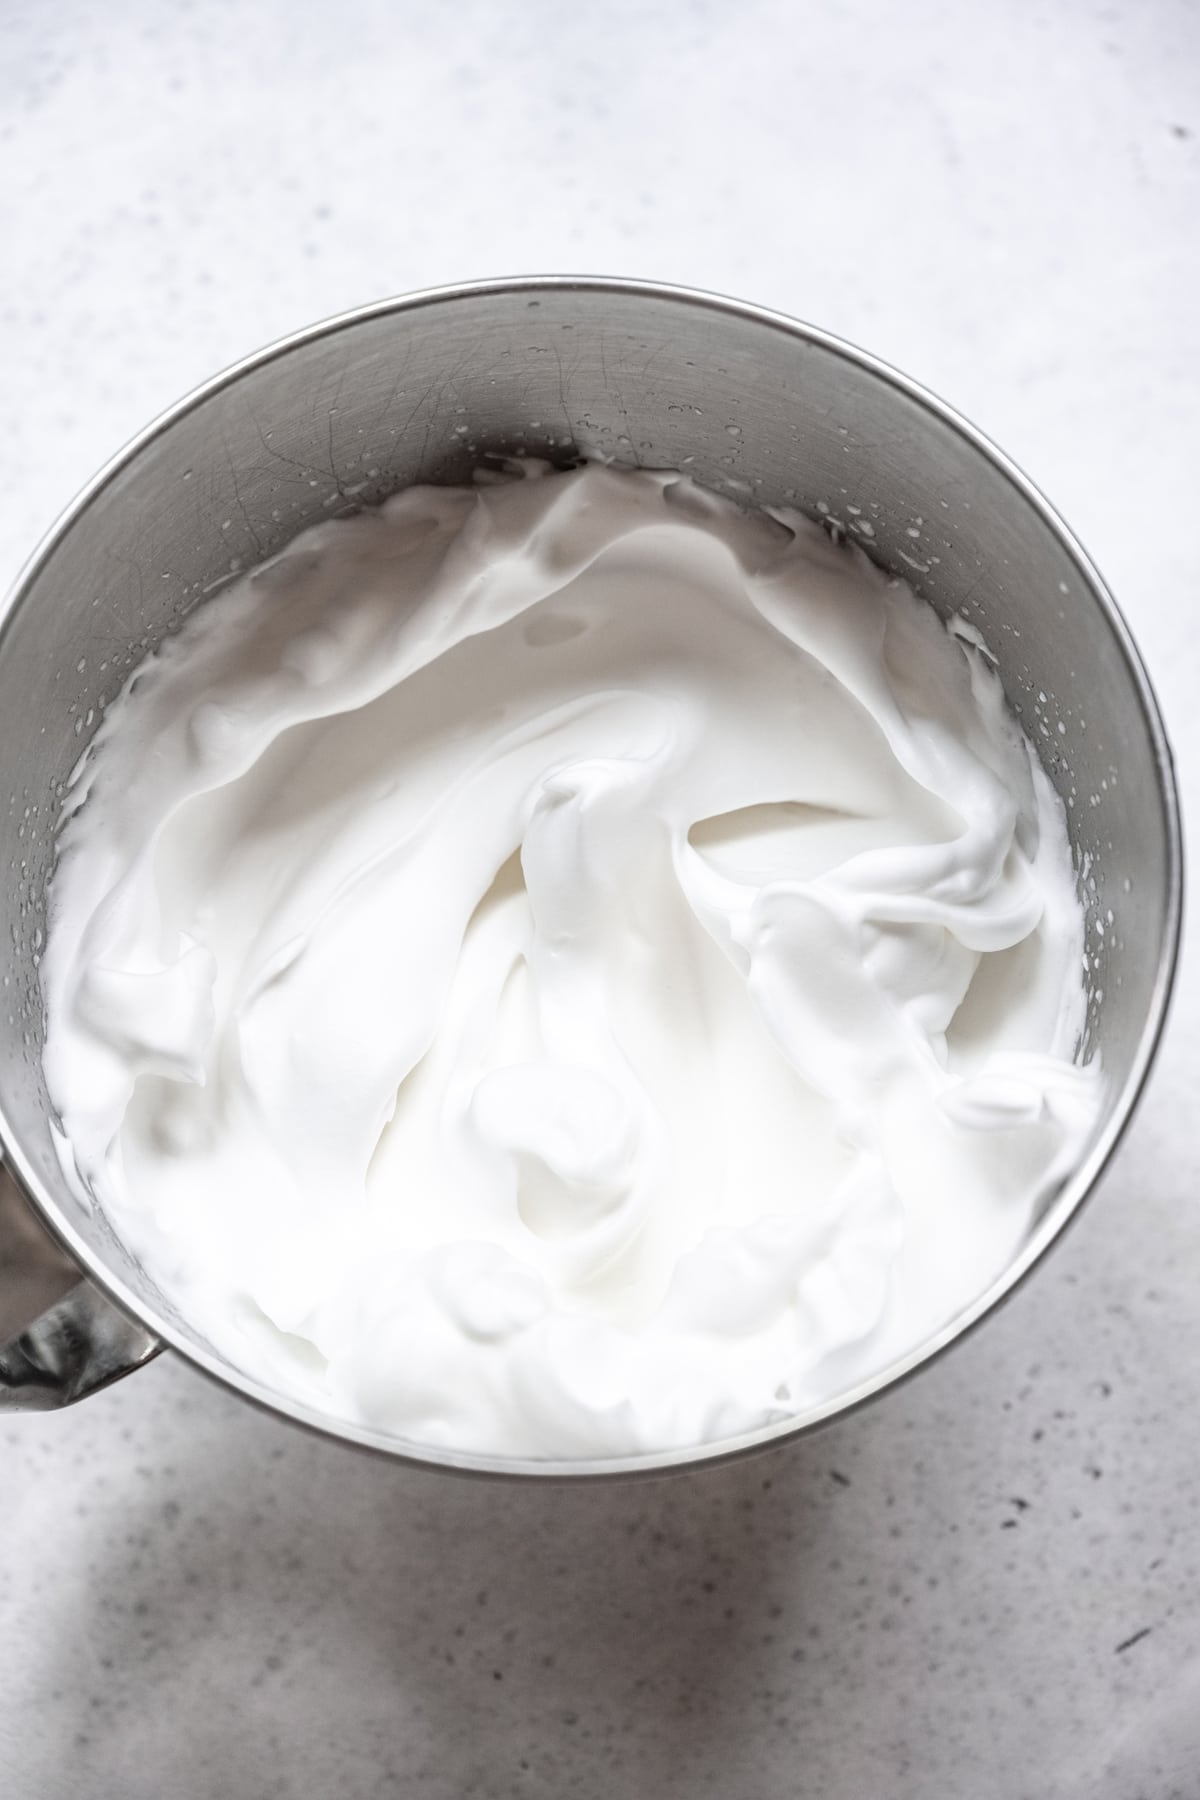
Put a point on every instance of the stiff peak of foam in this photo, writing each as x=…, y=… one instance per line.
x=566, y=967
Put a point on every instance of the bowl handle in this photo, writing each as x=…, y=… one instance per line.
x=60, y=1339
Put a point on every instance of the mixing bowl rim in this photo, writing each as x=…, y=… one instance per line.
x=1063, y=1209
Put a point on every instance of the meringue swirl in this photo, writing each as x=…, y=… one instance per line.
x=567, y=967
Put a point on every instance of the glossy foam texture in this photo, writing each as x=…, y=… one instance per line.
x=567, y=968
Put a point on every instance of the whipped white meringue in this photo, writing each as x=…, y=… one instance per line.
x=567, y=967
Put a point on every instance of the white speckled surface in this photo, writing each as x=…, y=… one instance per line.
x=988, y=1586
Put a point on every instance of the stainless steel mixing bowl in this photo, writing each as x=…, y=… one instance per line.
x=422, y=389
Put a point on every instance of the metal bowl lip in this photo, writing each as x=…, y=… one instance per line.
x=1066, y=1205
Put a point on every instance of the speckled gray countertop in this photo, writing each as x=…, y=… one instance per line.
x=987, y=1587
